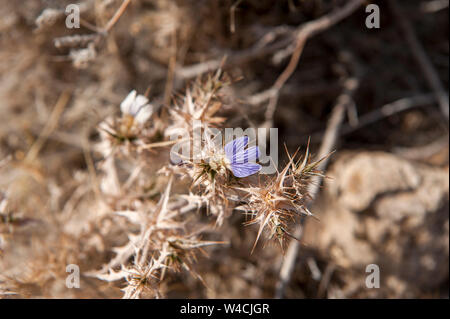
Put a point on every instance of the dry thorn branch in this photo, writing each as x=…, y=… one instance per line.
x=328, y=144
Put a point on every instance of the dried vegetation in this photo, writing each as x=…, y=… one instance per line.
x=87, y=175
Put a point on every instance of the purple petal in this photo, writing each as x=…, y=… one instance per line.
x=244, y=170
x=249, y=155
x=235, y=146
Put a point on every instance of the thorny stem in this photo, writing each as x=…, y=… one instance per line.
x=328, y=144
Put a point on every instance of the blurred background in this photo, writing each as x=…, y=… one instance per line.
x=385, y=201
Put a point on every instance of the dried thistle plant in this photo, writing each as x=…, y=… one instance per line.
x=106, y=185
x=219, y=179
x=275, y=203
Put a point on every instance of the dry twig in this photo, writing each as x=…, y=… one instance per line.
x=305, y=31
x=49, y=127
x=420, y=55
x=386, y=110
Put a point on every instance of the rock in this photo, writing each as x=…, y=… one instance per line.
x=379, y=208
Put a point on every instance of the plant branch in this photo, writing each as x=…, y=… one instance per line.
x=328, y=144
x=422, y=59
x=304, y=32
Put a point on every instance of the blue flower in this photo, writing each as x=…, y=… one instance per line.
x=242, y=161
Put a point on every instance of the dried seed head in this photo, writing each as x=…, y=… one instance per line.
x=276, y=204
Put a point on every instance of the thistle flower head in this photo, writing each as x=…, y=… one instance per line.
x=136, y=110
x=141, y=279
x=235, y=158
x=211, y=160
x=136, y=107
x=201, y=103
x=283, y=197
x=271, y=206
x=181, y=251
x=240, y=160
